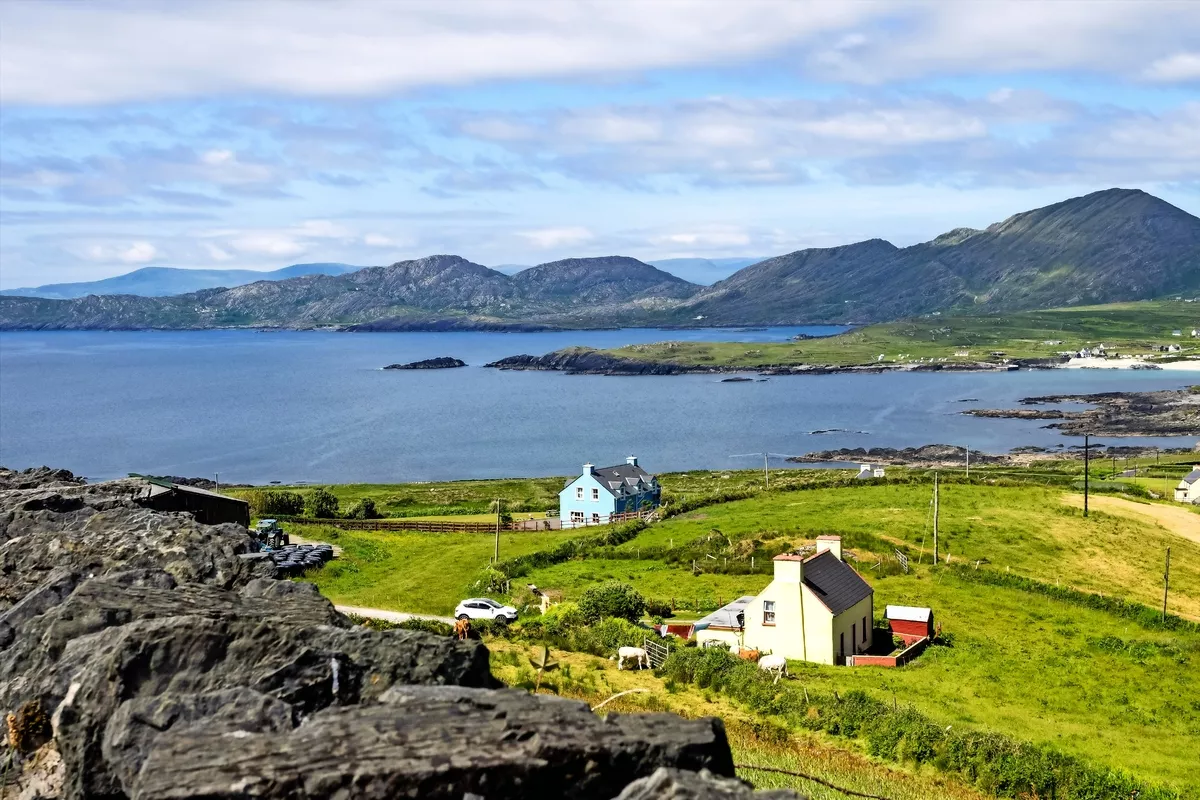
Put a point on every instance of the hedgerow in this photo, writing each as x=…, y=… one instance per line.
x=994, y=762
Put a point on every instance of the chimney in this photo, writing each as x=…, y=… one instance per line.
x=631, y=461
x=789, y=568
x=589, y=469
x=831, y=543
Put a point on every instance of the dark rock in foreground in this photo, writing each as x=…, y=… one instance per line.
x=443, y=362
x=141, y=656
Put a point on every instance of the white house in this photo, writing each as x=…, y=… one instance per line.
x=866, y=471
x=1188, y=490
x=816, y=609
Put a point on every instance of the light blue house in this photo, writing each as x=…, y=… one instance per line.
x=597, y=494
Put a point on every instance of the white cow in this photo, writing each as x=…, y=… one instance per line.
x=640, y=657
x=774, y=663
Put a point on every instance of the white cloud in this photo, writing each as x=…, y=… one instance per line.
x=1177, y=68
x=267, y=244
x=109, y=51
x=550, y=238
x=377, y=240
x=131, y=253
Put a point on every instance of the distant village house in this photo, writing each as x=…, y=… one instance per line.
x=867, y=471
x=1188, y=490
x=599, y=493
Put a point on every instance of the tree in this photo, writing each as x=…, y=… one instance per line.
x=363, y=509
x=321, y=503
x=612, y=599
x=278, y=504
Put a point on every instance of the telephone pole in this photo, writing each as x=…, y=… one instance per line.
x=1166, y=584
x=935, y=518
x=968, y=449
x=496, y=555
x=766, y=474
x=1086, y=453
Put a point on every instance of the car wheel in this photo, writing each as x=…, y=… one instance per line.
x=462, y=617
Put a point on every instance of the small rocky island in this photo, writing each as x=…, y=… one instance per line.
x=442, y=362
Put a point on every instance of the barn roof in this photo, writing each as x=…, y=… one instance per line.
x=909, y=613
x=834, y=582
x=726, y=615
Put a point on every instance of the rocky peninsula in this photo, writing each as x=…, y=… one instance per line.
x=442, y=362
x=1170, y=412
x=142, y=655
x=587, y=361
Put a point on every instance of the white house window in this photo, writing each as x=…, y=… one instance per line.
x=595, y=495
x=595, y=519
x=768, y=612
x=576, y=516
x=578, y=492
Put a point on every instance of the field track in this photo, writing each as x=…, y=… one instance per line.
x=1179, y=520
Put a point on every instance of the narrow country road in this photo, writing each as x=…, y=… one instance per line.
x=389, y=616
x=1180, y=519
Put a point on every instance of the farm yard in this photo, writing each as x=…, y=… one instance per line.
x=1038, y=644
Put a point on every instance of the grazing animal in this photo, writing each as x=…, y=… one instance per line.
x=462, y=629
x=640, y=657
x=749, y=655
x=774, y=663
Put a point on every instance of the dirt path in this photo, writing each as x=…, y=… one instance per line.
x=389, y=616
x=1177, y=519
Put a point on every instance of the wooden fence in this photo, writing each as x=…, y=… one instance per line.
x=450, y=526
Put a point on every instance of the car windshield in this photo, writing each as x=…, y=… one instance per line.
x=490, y=603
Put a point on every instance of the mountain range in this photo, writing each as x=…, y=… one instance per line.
x=1109, y=246
x=166, y=281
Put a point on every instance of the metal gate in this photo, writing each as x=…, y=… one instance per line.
x=656, y=652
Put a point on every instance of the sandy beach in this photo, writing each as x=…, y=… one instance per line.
x=1192, y=364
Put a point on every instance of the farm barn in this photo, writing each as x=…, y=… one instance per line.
x=207, y=507
x=910, y=623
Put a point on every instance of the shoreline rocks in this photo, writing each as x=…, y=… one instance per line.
x=442, y=362
x=1170, y=412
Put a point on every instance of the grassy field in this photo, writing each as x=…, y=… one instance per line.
x=1125, y=327
x=593, y=680
x=419, y=572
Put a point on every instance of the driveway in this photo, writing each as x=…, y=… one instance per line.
x=389, y=616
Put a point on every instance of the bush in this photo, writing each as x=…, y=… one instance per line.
x=659, y=608
x=363, y=509
x=276, y=504
x=612, y=599
x=426, y=626
x=321, y=504
x=563, y=618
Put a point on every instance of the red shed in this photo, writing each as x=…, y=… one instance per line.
x=910, y=623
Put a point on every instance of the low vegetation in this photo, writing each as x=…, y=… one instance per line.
x=1128, y=328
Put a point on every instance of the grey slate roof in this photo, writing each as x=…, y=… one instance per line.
x=726, y=615
x=833, y=581
x=1192, y=476
x=627, y=475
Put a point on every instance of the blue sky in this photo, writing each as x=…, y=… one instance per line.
x=255, y=135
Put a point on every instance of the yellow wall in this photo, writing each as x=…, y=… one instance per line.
x=851, y=621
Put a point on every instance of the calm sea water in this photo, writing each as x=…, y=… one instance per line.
x=315, y=406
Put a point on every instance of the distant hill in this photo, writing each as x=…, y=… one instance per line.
x=427, y=291
x=166, y=281
x=1105, y=247
x=1111, y=246
x=704, y=271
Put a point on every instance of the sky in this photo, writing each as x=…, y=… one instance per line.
x=258, y=134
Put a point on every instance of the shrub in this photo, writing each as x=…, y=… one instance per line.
x=612, y=599
x=321, y=504
x=363, y=509
x=659, y=608
x=427, y=626
x=562, y=618
x=276, y=504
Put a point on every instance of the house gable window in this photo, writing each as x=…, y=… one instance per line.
x=768, y=612
x=595, y=495
x=578, y=492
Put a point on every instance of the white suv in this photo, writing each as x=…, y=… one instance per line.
x=483, y=608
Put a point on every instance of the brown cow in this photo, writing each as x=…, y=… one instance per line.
x=462, y=629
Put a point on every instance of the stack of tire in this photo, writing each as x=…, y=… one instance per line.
x=294, y=559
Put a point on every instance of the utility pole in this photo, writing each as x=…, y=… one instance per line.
x=1166, y=584
x=968, y=449
x=496, y=555
x=766, y=475
x=217, y=481
x=935, y=517
x=1086, y=453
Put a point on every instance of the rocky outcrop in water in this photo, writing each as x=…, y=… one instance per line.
x=141, y=656
x=442, y=362
x=926, y=455
x=1171, y=412
x=584, y=361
